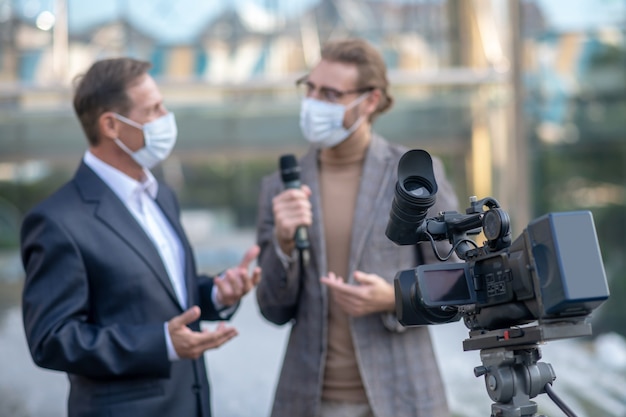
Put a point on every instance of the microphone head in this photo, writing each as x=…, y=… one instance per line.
x=289, y=168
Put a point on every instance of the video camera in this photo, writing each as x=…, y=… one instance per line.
x=552, y=273
x=512, y=295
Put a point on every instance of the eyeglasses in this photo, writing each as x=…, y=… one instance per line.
x=329, y=94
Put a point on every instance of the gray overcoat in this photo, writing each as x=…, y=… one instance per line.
x=398, y=366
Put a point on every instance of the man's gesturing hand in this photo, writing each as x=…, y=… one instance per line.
x=190, y=344
x=237, y=281
x=372, y=294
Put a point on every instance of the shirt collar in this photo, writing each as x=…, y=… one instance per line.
x=121, y=184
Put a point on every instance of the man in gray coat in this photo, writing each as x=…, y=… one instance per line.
x=347, y=354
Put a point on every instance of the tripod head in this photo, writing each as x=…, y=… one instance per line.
x=512, y=377
x=511, y=367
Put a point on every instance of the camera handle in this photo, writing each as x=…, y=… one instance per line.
x=512, y=377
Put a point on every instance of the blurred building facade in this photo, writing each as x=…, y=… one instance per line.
x=230, y=80
x=519, y=109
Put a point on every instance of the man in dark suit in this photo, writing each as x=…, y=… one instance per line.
x=111, y=295
x=347, y=354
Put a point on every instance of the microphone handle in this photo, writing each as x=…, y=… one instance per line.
x=301, y=238
x=302, y=235
x=292, y=184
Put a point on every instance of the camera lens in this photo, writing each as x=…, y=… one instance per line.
x=414, y=196
x=409, y=208
x=416, y=188
x=415, y=193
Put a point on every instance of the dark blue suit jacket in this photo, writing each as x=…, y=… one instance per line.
x=96, y=297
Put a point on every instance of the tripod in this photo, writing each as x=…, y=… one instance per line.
x=511, y=367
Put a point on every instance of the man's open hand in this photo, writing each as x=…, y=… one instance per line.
x=190, y=344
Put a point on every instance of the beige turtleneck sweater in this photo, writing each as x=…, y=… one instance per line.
x=340, y=173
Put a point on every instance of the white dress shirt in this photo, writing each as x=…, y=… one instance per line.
x=138, y=197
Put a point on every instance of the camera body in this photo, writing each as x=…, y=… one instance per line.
x=552, y=272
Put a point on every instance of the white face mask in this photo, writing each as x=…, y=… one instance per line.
x=321, y=122
x=159, y=136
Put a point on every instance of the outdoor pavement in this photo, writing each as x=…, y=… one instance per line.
x=243, y=373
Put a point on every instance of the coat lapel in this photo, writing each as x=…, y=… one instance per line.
x=112, y=212
x=375, y=177
x=310, y=177
x=166, y=202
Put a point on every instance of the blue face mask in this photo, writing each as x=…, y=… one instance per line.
x=159, y=137
x=321, y=122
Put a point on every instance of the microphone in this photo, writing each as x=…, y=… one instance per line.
x=290, y=174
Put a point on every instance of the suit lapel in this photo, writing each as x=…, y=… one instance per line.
x=374, y=181
x=166, y=202
x=112, y=212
